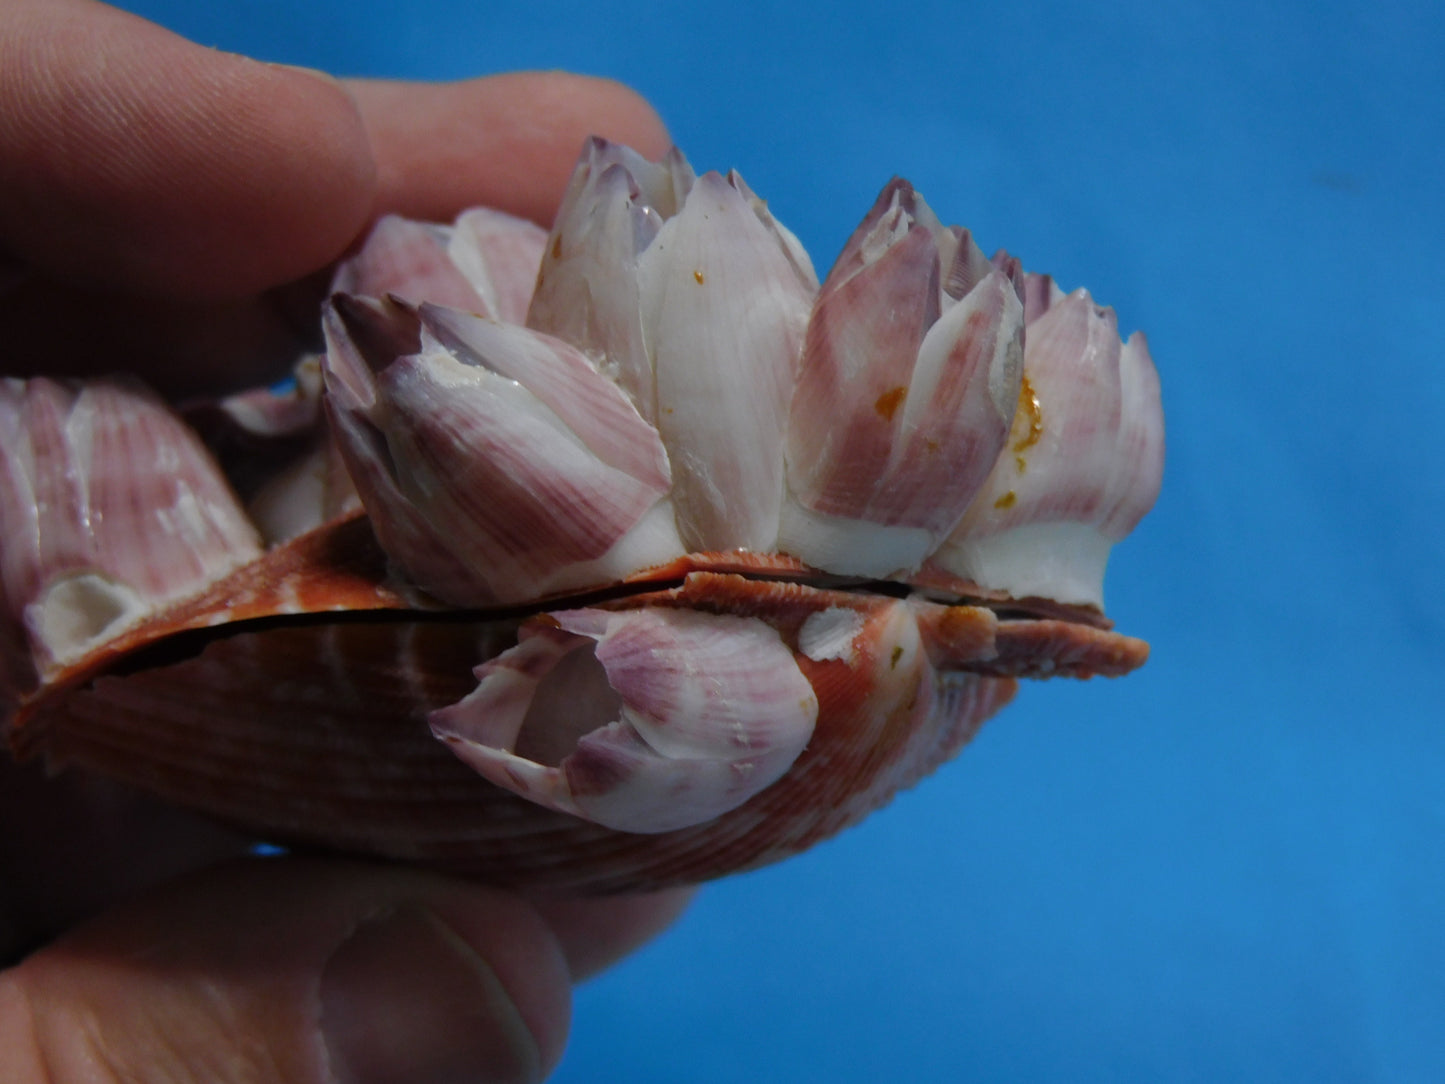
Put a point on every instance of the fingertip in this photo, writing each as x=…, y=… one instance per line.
x=133, y=158
x=406, y=997
x=298, y=970
x=586, y=105
x=507, y=141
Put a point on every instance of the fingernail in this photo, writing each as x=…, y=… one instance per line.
x=405, y=1000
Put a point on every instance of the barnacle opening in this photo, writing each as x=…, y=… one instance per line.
x=76, y=612
x=644, y=720
x=574, y=700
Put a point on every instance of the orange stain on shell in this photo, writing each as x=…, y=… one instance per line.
x=1030, y=408
x=888, y=403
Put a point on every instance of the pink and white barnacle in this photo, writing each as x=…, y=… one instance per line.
x=609, y=558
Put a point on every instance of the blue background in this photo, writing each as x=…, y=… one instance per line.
x=1228, y=866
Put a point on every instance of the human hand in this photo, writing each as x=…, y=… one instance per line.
x=171, y=210
x=166, y=206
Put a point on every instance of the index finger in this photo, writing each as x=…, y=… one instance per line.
x=136, y=160
x=505, y=141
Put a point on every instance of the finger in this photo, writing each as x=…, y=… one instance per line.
x=182, y=347
x=75, y=844
x=506, y=141
x=596, y=933
x=132, y=158
x=286, y=970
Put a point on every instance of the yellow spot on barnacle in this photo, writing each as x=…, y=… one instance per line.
x=887, y=404
x=897, y=654
x=697, y=277
x=1007, y=500
x=1030, y=412
x=557, y=247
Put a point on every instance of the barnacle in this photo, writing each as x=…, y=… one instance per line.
x=608, y=558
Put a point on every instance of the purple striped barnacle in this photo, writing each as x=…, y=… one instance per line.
x=599, y=559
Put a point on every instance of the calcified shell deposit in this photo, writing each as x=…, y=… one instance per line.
x=603, y=559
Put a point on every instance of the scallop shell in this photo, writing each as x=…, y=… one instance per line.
x=738, y=618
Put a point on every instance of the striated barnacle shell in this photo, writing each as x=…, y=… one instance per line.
x=677, y=753
x=500, y=466
x=909, y=379
x=485, y=262
x=689, y=294
x=110, y=509
x=1083, y=462
x=668, y=561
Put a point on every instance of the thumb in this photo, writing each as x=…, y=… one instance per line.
x=276, y=970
